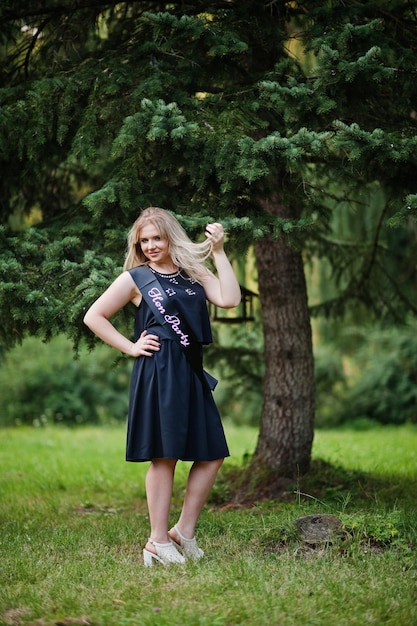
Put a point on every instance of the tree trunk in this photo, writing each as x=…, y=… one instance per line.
x=286, y=432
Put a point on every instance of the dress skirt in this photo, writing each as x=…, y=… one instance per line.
x=172, y=413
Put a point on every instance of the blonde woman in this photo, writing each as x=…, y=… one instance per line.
x=172, y=414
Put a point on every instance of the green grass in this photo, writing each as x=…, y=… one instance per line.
x=73, y=521
x=382, y=450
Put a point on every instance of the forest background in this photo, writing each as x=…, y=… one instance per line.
x=298, y=134
x=293, y=123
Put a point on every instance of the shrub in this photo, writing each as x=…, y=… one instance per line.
x=42, y=383
x=384, y=387
x=236, y=358
x=376, y=382
x=331, y=383
x=369, y=375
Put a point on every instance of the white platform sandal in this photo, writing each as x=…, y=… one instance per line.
x=166, y=554
x=189, y=547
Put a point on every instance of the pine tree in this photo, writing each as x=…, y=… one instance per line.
x=265, y=116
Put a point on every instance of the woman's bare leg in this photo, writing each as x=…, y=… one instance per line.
x=159, y=484
x=200, y=481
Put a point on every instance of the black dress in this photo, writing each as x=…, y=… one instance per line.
x=172, y=413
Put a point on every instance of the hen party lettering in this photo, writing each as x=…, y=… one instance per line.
x=157, y=298
x=173, y=320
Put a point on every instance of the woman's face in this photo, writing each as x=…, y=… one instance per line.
x=153, y=246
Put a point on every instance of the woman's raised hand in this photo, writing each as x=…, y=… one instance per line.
x=215, y=233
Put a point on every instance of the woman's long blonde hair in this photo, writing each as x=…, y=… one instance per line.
x=185, y=253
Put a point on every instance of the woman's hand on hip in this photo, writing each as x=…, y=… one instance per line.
x=146, y=345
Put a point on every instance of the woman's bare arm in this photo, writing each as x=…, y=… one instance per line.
x=222, y=290
x=120, y=292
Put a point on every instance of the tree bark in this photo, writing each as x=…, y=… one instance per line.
x=287, y=423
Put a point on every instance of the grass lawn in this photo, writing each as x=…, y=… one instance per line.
x=73, y=521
